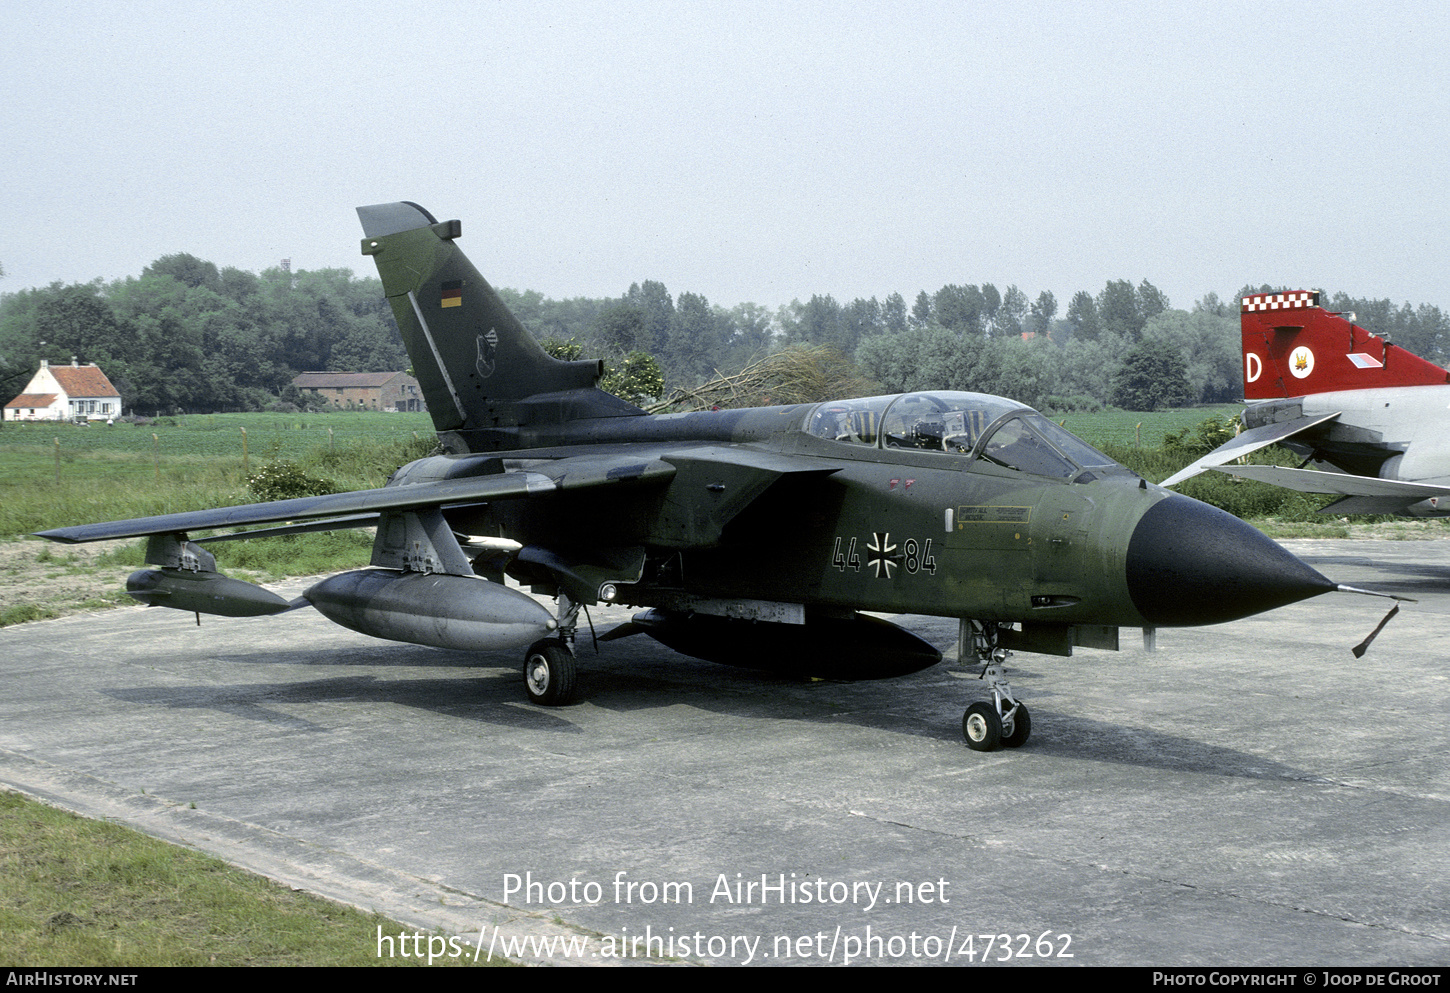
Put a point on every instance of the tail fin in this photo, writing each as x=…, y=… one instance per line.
x=1293, y=347
x=488, y=384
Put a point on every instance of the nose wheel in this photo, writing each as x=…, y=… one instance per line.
x=985, y=729
x=1002, y=722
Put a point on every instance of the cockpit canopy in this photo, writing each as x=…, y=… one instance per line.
x=966, y=425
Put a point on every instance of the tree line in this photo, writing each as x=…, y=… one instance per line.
x=186, y=335
x=1124, y=346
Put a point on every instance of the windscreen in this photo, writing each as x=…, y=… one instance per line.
x=967, y=425
x=1029, y=442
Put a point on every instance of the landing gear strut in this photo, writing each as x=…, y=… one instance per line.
x=549, y=668
x=1004, y=721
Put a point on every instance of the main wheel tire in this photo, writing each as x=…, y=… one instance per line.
x=549, y=673
x=1021, y=729
x=982, y=727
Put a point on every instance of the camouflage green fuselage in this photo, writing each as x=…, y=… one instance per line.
x=881, y=529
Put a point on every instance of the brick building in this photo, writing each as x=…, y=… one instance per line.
x=364, y=390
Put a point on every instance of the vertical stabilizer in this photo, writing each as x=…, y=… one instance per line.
x=1292, y=347
x=485, y=378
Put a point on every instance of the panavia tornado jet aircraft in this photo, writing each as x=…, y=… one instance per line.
x=1371, y=417
x=751, y=537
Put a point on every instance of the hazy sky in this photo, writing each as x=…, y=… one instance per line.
x=747, y=152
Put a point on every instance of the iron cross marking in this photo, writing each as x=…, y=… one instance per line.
x=884, y=557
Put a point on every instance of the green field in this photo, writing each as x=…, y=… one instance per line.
x=1127, y=427
x=132, y=451
x=54, y=475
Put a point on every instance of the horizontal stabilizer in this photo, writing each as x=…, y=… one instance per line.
x=1249, y=441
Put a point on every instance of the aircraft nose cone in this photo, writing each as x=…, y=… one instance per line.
x=1189, y=563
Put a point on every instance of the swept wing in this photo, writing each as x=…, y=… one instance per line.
x=559, y=475
x=1249, y=441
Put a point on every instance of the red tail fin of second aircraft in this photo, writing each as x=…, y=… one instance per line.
x=1293, y=347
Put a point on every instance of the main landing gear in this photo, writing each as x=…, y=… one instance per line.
x=1003, y=722
x=549, y=667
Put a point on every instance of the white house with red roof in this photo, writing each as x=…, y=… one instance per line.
x=66, y=392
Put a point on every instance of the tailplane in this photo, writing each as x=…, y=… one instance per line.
x=1292, y=347
x=488, y=384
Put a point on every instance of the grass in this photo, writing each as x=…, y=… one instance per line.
x=56, y=475
x=77, y=892
x=1122, y=427
x=267, y=435
x=22, y=613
